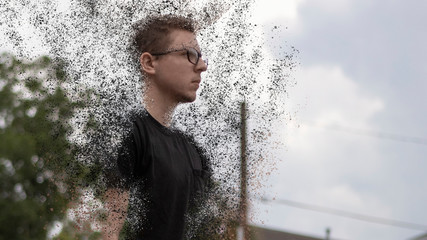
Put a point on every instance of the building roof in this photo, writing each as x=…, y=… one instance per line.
x=421, y=237
x=260, y=233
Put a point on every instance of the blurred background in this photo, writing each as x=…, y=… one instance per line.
x=358, y=141
x=352, y=144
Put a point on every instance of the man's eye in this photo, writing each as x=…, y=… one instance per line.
x=193, y=53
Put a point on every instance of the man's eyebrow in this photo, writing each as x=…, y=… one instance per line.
x=193, y=43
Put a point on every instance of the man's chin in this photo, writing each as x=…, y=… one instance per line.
x=188, y=99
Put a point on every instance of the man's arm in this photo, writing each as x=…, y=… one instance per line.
x=116, y=203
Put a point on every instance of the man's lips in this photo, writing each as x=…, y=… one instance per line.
x=196, y=83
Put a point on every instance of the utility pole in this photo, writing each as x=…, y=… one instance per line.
x=328, y=234
x=242, y=233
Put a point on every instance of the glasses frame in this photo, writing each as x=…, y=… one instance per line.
x=199, y=55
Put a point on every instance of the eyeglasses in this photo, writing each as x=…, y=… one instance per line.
x=192, y=54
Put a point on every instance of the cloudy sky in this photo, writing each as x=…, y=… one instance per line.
x=359, y=139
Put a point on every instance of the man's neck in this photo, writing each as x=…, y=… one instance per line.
x=160, y=108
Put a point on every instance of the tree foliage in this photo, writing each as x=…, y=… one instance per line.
x=38, y=171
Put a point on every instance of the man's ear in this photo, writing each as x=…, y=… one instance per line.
x=146, y=62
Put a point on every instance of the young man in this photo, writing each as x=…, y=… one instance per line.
x=162, y=171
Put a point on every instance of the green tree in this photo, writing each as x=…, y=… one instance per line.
x=39, y=173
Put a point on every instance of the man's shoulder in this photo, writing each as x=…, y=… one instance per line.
x=130, y=117
x=137, y=114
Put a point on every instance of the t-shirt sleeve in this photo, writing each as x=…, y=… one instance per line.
x=206, y=166
x=206, y=171
x=126, y=159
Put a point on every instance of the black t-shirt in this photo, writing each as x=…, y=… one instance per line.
x=165, y=173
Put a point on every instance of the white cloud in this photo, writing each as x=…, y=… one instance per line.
x=277, y=12
x=333, y=98
x=322, y=167
x=379, y=91
x=271, y=9
x=338, y=7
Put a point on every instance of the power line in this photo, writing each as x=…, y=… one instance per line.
x=372, y=133
x=361, y=217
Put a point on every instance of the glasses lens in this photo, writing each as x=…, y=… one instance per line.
x=193, y=55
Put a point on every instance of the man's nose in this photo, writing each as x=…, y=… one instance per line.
x=202, y=65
